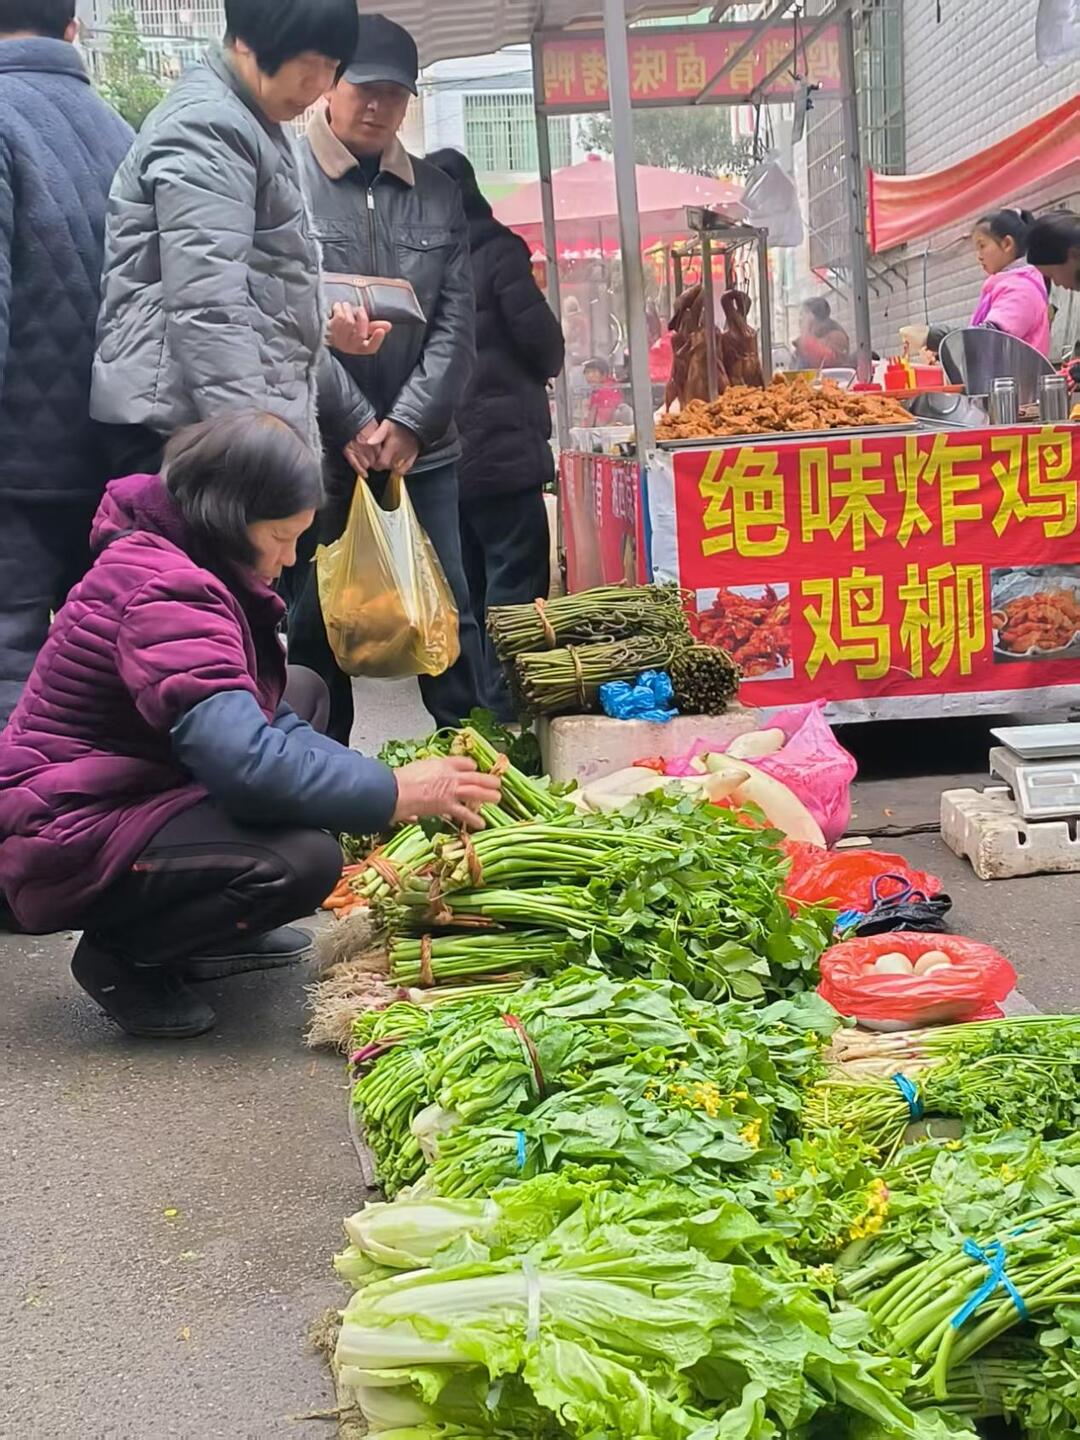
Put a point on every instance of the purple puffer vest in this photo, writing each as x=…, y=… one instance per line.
x=87, y=775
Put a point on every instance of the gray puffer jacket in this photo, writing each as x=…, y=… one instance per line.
x=211, y=294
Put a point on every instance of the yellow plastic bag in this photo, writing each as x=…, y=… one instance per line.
x=386, y=603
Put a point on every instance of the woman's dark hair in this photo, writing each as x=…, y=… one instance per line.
x=279, y=30
x=1014, y=225
x=1052, y=237
x=234, y=470
x=459, y=168
x=818, y=308
x=50, y=18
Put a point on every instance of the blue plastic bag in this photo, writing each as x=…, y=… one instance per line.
x=649, y=699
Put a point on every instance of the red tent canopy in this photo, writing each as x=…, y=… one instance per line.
x=586, y=212
x=909, y=207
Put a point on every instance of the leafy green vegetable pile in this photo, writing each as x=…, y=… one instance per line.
x=667, y=889
x=644, y=1187
x=619, y=1214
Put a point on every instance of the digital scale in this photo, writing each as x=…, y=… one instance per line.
x=1041, y=766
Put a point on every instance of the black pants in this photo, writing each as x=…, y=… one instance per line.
x=205, y=881
x=448, y=697
x=506, y=544
x=44, y=551
x=131, y=450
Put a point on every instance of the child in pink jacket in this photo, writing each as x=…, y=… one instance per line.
x=1014, y=297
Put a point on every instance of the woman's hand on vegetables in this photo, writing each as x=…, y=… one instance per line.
x=450, y=789
x=352, y=333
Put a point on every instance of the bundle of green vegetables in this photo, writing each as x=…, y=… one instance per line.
x=559, y=682
x=591, y=1311
x=580, y=1069
x=982, y=1255
x=666, y=887
x=1022, y=1072
x=611, y=612
x=413, y=849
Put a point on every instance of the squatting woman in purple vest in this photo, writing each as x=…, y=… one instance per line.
x=158, y=790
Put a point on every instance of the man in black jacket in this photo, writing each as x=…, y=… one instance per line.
x=377, y=211
x=505, y=420
x=60, y=146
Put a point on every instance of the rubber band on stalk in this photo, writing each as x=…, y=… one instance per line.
x=513, y=1023
x=522, y=1149
x=910, y=1091
x=472, y=860
x=533, y=1300
x=386, y=871
x=427, y=973
x=549, y=629
x=993, y=1257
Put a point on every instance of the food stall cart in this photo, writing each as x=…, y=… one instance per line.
x=605, y=537
x=895, y=571
x=902, y=569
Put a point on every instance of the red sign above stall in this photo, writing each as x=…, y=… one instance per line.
x=927, y=564
x=673, y=66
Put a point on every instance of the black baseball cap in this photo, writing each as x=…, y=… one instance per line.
x=385, y=51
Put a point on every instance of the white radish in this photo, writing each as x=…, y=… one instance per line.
x=932, y=969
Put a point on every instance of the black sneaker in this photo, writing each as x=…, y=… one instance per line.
x=148, y=1001
x=272, y=951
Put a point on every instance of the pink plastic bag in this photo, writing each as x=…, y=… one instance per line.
x=813, y=765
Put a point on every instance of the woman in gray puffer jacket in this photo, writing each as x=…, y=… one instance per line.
x=211, y=296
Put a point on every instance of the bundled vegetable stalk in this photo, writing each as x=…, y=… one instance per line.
x=623, y=1313
x=411, y=851
x=705, y=680
x=1020, y=1072
x=612, y=612
x=676, y=890
x=638, y=1071
x=554, y=682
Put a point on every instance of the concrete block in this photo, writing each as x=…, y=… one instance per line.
x=587, y=747
x=985, y=827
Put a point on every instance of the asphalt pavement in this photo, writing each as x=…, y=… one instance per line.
x=168, y=1212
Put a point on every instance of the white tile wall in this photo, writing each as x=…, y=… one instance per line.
x=969, y=81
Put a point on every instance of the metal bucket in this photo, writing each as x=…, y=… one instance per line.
x=975, y=358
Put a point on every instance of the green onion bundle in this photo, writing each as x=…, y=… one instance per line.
x=611, y=612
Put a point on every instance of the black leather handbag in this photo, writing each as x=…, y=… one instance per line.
x=390, y=300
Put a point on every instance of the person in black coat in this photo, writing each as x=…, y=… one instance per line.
x=60, y=146
x=505, y=420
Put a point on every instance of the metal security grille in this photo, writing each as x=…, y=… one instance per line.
x=500, y=134
x=879, y=53
x=204, y=18
x=880, y=85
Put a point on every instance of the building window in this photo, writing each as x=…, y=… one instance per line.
x=500, y=134
x=879, y=66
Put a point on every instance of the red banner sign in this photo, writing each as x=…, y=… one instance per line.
x=668, y=67
x=896, y=565
x=603, y=530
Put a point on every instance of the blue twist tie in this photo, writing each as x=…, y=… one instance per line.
x=521, y=1153
x=993, y=1257
x=910, y=1091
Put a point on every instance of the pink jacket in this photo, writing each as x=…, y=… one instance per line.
x=1014, y=300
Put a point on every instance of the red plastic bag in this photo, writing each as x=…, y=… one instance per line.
x=979, y=979
x=813, y=765
x=843, y=878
